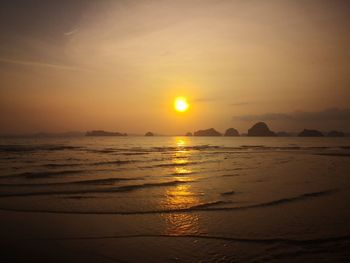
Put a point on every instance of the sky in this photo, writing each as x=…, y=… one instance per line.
x=118, y=65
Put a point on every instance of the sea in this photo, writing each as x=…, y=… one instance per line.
x=175, y=199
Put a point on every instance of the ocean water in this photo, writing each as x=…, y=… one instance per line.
x=175, y=199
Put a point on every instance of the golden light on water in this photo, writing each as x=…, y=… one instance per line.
x=181, y=104
x=181, y=196
x=181, y=223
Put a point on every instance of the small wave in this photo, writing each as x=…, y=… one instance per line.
x=186, y=148
x=204, y=147
x=81, y=197
x=209, y=204
x=35, y=148
x=54, y=165
x=118, y=162
x=295, y=242
x=182, y=173
x=229, y=175
x=289, y=148
x=107, y=181
x=293, y=199
x=125, y=188
x=345, y=147
x=335, y=154
x=43, y=174
x=180, y=210
x=253, y=146
x=133, y=153
x=101, y=151
x=164, y=211
x=229, y=193
x=174, y=164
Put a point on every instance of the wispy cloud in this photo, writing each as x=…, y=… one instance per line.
x=206, y=99
x=243, y=103
x=30, y=63
x=69, y=33
x=331, y=114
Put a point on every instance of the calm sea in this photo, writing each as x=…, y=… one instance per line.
x=182, y=199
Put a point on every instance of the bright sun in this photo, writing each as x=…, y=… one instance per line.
x=181, y=104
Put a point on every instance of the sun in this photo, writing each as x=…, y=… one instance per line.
x=181, y=104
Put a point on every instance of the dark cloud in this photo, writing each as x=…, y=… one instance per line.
x=332, y=114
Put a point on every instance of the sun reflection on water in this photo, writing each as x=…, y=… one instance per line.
x=181, y=196
x=181, y=223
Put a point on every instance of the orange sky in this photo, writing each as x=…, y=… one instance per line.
x=118, y=65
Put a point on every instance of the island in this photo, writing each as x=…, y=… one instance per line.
x=104, y=133
x=189, y=134
x=231, y=132
x=335, y=134
x=149, y=134
x=207, y=132
x=260, y=129
x=310, y=133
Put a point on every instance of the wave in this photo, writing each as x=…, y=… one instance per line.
x=286, y=241
x=209, y=204
x=229, y=175
x=344, y=147
x=133, y=153
x=201, y=208
x=106, y=150
x=174, y=164
x=54, y=165
x=118, y=162
x=229, y=193
x=290, y=199
x=43, y=174
x=35, y=148
x=125, y=188
x=335, y=154
x=186, y=148
x=107, y=181
x=114, y=162
x=142, y=151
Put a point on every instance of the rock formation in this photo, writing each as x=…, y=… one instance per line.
x=260, y=129
x=336, y=134
x=231, y=132
x=189, y=134
x=149, y=134
x=310, y=133
x=207, y=132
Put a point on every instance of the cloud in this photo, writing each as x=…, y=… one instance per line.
x=69, y=33
x=206, y=99
x=331, y=114
x=243, y=103
x=40, y=64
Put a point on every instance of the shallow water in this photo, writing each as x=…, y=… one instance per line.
x=186, y=199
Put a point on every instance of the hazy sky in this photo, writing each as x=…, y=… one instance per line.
x=118, y=65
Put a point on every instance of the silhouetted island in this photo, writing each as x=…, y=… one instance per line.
x=207, y=132
x=149, y=134
x=189, y=134
x=310, y=133
x=231, y=132
x=336, y=134
x=260, y=129
x=104, y=133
